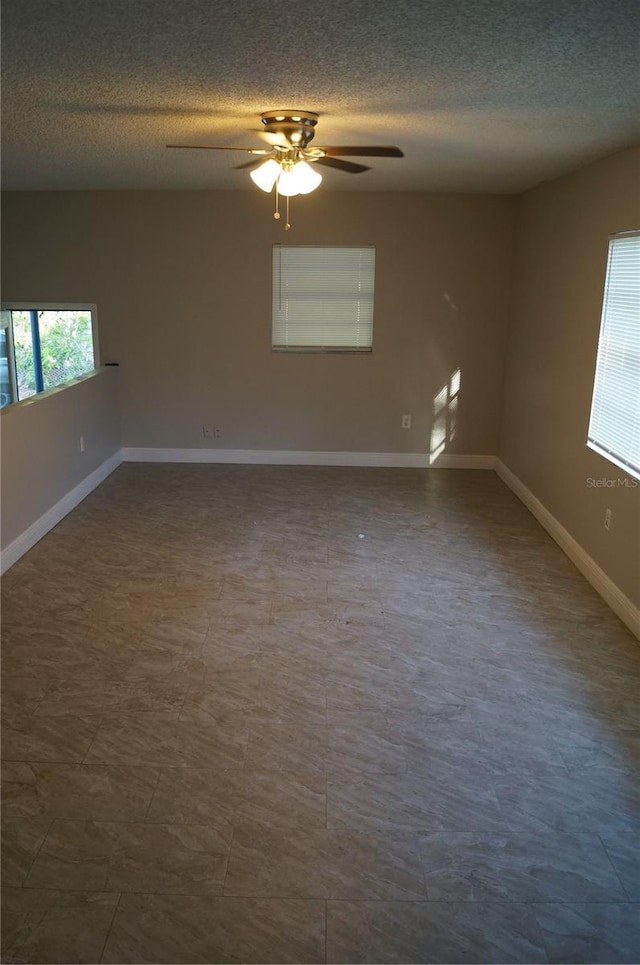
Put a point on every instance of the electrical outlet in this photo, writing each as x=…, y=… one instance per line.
x=81, y=444
x=607, y=519
x=217, y=432
x=406, y=422
x=206, y=431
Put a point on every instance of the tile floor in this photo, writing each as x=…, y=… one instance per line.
x=265, y=714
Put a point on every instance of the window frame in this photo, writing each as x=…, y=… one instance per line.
x=321, y=348
x=47, y=306
x=11, y=365
x=594, y=441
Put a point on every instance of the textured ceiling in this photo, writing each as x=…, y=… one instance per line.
x=481, y=95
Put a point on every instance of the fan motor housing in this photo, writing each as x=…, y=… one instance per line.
x=296, y=126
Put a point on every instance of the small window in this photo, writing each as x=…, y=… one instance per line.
x=323, y=299
x=42, y=347
x=614, y=427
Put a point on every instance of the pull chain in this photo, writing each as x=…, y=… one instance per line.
x=276, y=213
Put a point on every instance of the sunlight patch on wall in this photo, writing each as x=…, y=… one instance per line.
x=445, y=412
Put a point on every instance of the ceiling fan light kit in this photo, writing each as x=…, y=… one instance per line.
x=287, y=165
x=292, y=177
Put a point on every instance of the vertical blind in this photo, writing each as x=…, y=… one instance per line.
x=614, y=427
x=323, y=298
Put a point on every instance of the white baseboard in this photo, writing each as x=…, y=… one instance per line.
x=461, y=462
x=621, y=605
x=23, y=543
x=289, y=457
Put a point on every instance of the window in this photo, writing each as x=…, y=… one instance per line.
x=44, y=346
x=323, y=299
x=614, y=427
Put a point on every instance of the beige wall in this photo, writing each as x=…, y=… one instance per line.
x=561, y=255
x=183, y=286
x=182, y=282
x=41, y=458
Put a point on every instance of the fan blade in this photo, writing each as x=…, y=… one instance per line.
x=216, y=147
x=349, y=166
x=271, y=138
x=249, y=164
x=339, y=151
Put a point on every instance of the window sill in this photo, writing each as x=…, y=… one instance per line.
x=39, y=396
x=318, y=350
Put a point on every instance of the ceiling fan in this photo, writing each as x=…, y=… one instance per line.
x=286, y=164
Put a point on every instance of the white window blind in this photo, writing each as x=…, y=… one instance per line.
x=323, y=298
x=614, y=427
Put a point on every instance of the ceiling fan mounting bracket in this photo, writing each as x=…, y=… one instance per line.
x=297, y=127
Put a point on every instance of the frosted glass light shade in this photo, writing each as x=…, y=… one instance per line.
x=265, y=176
x=287, y=183
x=299, y=179
x=306, y=177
